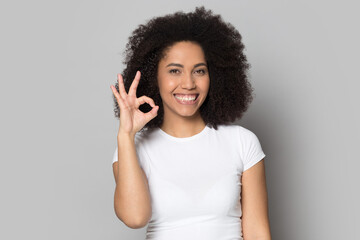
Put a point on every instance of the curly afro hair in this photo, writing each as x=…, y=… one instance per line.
x=230, y=92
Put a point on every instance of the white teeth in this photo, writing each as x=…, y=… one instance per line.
x=186, y=98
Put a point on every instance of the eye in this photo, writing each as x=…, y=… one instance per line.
x=173, y=71
x=201, y=71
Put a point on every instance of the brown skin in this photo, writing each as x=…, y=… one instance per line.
x=132, y=201
x=181, y=120
x=255, y=220
x=230, y=92
x=132, y=197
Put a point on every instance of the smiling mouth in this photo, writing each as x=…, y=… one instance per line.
x=187, y=99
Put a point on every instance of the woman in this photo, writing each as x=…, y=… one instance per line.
x=180, y=165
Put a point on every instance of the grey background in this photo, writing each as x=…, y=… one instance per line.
x=58, y=132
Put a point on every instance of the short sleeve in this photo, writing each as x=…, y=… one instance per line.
x=139, y=153
x=252, y=151
x=115, y=156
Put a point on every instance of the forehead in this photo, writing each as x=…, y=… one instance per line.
x=183, y=51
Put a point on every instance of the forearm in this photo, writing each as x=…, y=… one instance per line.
x=265, y=237
x=132, y=198
x=258, y=238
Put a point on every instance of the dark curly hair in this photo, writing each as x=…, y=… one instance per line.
x=230, y=92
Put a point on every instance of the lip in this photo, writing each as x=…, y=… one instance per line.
x=186, y=94
x=186, y=102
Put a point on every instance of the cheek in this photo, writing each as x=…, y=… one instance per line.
x=205, y=85
x=167, y=85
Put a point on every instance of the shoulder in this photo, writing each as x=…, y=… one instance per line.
x=246, y=133
x=228, y=128
x=238, y=134
x=235, y=129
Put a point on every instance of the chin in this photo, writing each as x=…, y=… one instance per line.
x=188, y=113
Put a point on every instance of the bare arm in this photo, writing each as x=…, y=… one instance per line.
x=132, y=198
x=255, y=219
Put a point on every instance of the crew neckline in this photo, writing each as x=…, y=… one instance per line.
x=184, y=139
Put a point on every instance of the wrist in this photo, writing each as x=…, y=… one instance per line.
x=123, y=135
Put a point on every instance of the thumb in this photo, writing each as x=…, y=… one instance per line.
x=151, y=114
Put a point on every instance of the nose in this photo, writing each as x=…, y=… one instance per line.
x=188, y=82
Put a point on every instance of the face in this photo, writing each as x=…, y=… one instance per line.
x=183, y=80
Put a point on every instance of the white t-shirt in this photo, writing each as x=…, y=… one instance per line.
x=195, y=182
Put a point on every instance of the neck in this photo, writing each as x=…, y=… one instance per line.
x=183, y=127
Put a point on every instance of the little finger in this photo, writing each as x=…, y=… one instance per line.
x=118, y=97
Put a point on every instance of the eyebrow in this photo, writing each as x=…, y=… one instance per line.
x=180, y=65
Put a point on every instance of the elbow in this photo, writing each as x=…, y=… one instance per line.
x=136, y=225
x=133, y=222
